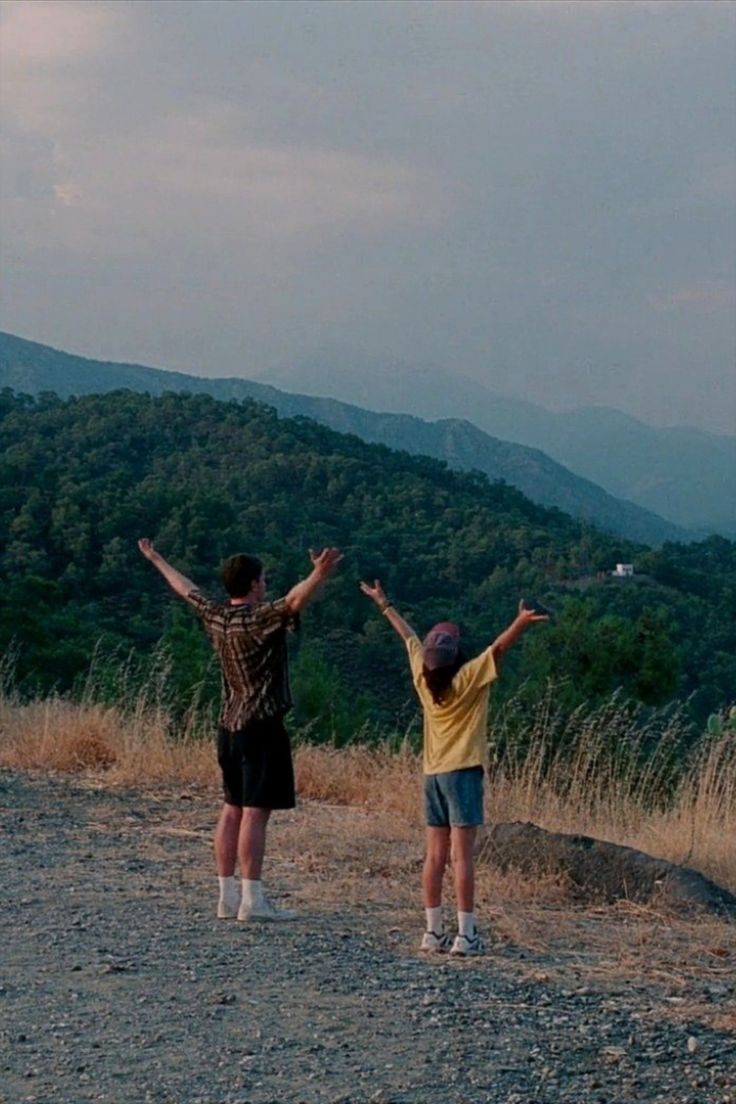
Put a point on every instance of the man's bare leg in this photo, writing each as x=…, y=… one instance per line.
x=226, y=852
x=254, y=905
x=226, y=840
x=252, y=842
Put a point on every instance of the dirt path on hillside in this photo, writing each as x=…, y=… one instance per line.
x=118, y=985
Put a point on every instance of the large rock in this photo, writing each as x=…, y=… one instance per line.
x=600, y=871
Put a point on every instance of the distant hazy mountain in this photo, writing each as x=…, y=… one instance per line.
x=685, y=475
x=31, y=368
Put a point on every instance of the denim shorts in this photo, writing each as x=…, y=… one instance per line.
x=454, y=798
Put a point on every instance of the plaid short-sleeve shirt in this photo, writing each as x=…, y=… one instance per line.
x=250, y=641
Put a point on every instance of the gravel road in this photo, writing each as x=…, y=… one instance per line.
x=118, y=984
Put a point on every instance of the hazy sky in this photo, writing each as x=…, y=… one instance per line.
x=536, y=194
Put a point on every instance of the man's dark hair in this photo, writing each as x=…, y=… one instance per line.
x=439, y=680
x=239, y=572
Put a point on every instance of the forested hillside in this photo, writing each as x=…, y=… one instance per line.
x=683, y=474
x=83, y=479
x=30, y=368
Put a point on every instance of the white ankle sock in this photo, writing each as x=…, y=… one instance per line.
x=466, y=924
x=228, y=888
x=252, y=892
x=434, y=920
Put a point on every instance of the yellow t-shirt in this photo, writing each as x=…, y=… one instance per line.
x=455, y=731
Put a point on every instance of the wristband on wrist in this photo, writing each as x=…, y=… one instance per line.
x=386, y=605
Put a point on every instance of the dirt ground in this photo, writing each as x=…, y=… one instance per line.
x=117, y=983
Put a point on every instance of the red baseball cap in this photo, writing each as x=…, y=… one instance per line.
x=441, y=645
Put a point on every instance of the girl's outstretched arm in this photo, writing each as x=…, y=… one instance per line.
x=524, y=619
x=387, y=608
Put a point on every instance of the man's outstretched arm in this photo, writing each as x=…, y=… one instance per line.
x=392, y=615
x=178, y=582
x=324, y=563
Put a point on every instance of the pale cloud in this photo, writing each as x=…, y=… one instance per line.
x=603, y=9
x=707, y=297
x=567, y=9
x=53, y=32
x=199, y=156
x=48, y=53
x=202, y=171
x=66, y=193
x=716, y=178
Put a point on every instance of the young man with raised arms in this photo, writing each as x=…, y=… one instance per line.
x=248, y=633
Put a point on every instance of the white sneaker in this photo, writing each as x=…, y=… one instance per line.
x=468, y=945
x=435, y=943
x=227, y=909
x=266, y=911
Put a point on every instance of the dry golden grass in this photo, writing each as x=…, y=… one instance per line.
x=697, y=825
x=372, y=777
x=592, y=788
x=131, y=747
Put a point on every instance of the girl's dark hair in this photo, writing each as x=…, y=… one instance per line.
x=239, y=573
x=439, y=681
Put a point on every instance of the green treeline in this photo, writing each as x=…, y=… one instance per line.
x=82, y=479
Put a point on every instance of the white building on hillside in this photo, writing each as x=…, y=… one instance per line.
x=623, y=571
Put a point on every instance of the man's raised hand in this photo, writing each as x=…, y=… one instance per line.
x=146, y=547
x=325, y=560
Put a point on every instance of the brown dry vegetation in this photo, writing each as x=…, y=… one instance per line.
x=594, y=787
x=358, y=834
x=131, y=747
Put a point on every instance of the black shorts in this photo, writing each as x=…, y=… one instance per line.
x=256, y=765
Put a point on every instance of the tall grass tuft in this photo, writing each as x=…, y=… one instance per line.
x=619, y=772
x=128, y=734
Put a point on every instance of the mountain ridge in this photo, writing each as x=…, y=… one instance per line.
x=32, y=367
x=684, y=474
